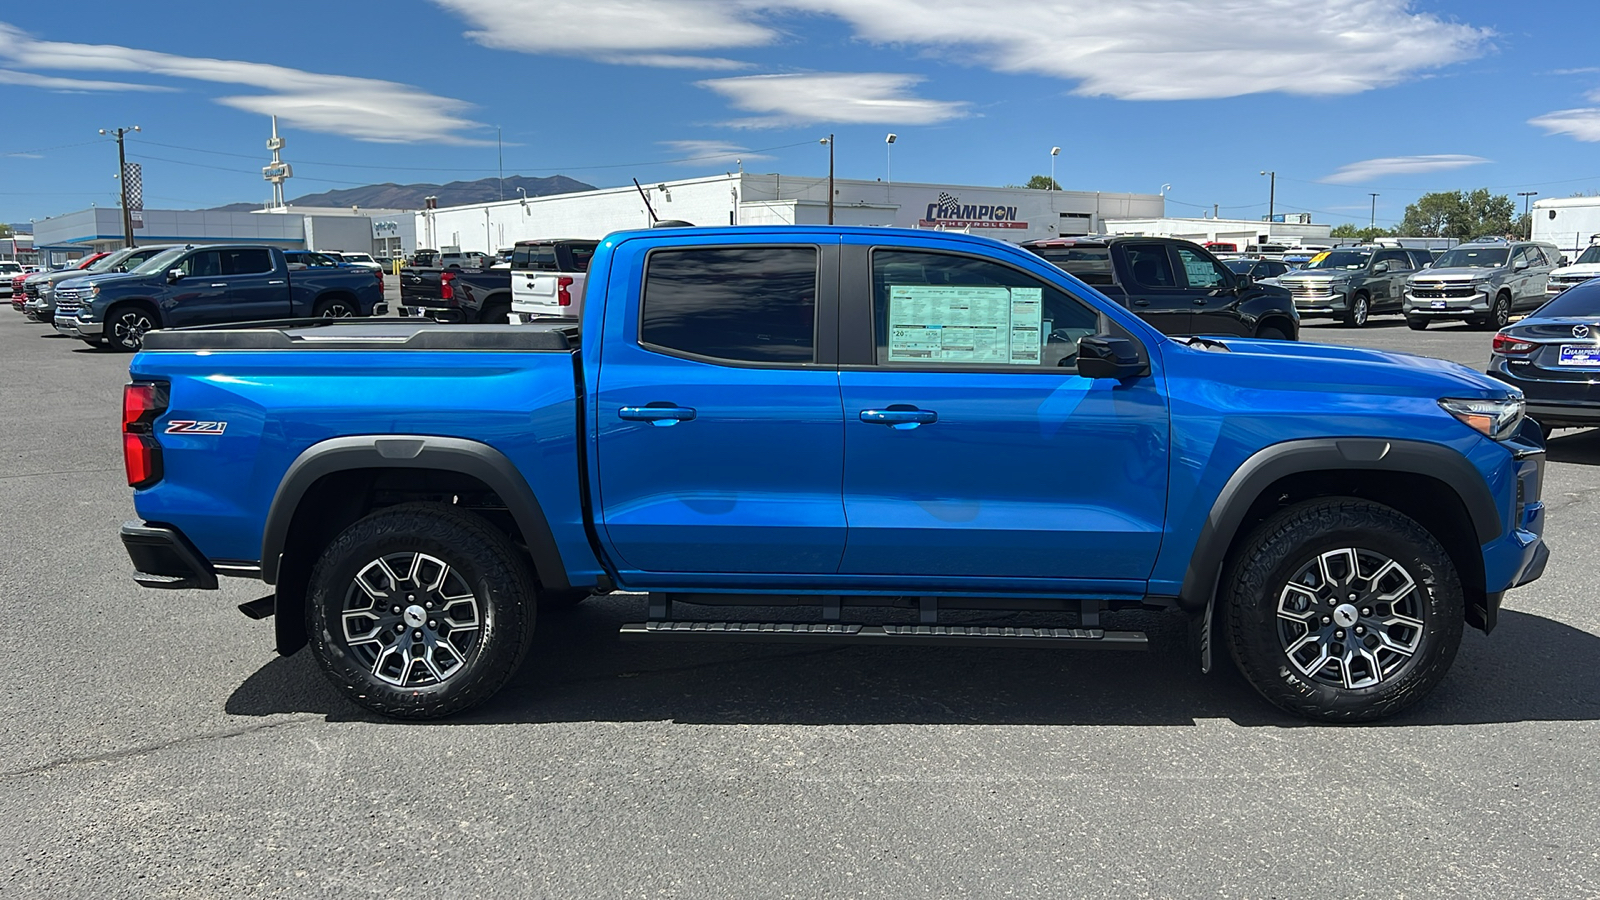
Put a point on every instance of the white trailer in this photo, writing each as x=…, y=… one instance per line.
x=1571, y=223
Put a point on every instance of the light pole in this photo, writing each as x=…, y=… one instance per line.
x=829, y=141
x=1272, y=196
x=888, y=157
x=1054, y=152
x=1526, y=195
x=1373, y=222
x=122, y=177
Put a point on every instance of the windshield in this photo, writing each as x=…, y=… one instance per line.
x=161, y=262
x=1092, y=265
x=1340, y=259
x=357, y=257
x=1239, y=266
x=1473, y=258
x=1591, y=255
x=107, y=263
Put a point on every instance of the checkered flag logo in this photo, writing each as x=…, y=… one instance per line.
x=947, y=205
x=133, y=183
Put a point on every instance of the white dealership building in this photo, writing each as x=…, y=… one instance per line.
x=747, y=198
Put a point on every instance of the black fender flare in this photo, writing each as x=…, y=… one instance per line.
x=1269, y=464
x=402, y=451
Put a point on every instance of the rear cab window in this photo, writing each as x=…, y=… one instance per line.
x=1090, y=264
x=747, y=304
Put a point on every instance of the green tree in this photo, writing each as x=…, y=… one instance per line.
x=5, y=230
x=1043, y=183
x=1459, y=215
x=1351, y=230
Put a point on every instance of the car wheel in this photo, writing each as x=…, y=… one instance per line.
x=1272, y=333
x=1416, y=324
x=421, y=610
x=334, y=309
x=1343, y=610
x=126, y=327
x=1360, y=310
x=1499, y=314
x=495, y=314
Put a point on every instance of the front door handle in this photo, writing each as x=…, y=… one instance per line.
x=1141, y=303
x=222, y=284
x=902, y=418
x=660, y=415
x=1199, y=301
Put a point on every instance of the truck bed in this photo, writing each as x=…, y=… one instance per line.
x=558, y=335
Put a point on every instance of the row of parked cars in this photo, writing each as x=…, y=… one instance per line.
x=114, y=299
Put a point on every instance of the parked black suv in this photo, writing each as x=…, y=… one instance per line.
x=1177, y=286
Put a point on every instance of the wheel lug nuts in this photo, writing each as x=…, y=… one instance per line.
x=417, y=635
x=1352, y=598
x=396, y=610
x=399, y=629
x=428, y=605
x=1326, y=620
x=1367, y=611
x=412, y=598
x=1338, y=634
x=432, y=624
x=1360, y=630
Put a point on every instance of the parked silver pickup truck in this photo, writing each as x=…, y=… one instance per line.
x=1353, y=283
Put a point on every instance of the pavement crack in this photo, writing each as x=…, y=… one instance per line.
x=147, y=749
x=50, y=474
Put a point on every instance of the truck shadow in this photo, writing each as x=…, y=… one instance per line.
x=1580, y=447
x=1532, y=669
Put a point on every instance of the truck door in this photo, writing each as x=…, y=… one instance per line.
x=1155, y=294
x=199, y=297
x=256, y=289
x=973, y=449
x=1213, y=293
x=717, y=413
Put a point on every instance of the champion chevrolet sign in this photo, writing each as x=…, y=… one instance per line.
x=950, y=212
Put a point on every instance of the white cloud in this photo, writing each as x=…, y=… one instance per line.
x=846, y=97
x=50, y=83
x=363, y=108
x=1130, y=50
x=1579, y=124
x=1370, y=169
x=709, y=153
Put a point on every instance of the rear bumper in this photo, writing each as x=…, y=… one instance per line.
x=1570, y=401
x=164, y=558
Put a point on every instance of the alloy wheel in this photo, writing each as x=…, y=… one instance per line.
x=337, y=310
x=1360, y=311
x=1351, y=618
x=129, y=329
x=411, y=620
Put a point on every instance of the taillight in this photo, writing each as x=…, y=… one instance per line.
x=563, y=295
x=1510, y=346
x=142, y=403
x=446, y=291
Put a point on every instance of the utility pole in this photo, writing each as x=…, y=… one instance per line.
x=1525, y=195
x=122, y=178
x=500, y=153
x=1272, y=196
x=888, y=157
x=1055, y=152
x=1373, y=222
x=829, y=141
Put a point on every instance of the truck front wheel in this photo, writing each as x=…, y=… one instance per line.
x=127, y=325
x=420, y=610
x=1343, y=610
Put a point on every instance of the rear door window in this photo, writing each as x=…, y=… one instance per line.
x=741, y=304
x=1150, y=267
x=246, y=262
x=575, y=256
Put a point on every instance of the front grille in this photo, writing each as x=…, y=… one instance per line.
x=1566, y=281
x=1442, y=291
x=32, y=290
x=68, y=302
x=1310, y=290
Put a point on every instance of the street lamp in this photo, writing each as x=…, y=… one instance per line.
x=1525, y=195
x=1164, y=189
x=1272, y=195
x=888, y=157
x=1054, y=152
x=122, y=176
x=829, y=141
x=1373, y=223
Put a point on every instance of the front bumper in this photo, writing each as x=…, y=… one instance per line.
x=1473, y=306
x=73, y=327
x=1318, y=306
x=39, y=311
x=164, y=558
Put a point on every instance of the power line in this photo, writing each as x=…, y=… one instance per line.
x=48, y=149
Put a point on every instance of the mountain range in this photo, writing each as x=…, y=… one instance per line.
x=410, y=196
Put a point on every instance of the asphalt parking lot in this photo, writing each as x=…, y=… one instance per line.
x=156, y=747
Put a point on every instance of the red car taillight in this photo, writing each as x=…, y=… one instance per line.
x=1510, y=346
x=563, y=295
x=141, y=454
x=446, y=290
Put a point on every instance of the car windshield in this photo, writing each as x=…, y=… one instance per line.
x=161, y=262
x=1340, y=259
x=1239, y=266
x=1581, y=302
x=1092, y=265
x=107, y=263
x=1591, y=255
x=357, y=257
x=1473, y=258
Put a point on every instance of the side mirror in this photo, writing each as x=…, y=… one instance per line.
x=174, y=276
x=1102, y=356
x=1244, y=281
x=1521, y=264
x=1381, y=268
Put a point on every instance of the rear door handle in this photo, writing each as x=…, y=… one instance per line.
x=1141, y=303
x=222, y=284
x=660, y=416
x=1199, y=301
x=899, y=417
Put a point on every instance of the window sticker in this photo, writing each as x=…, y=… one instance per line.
x=1318, y=258
x=984, y=325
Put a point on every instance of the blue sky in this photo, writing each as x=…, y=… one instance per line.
x=1340, y=97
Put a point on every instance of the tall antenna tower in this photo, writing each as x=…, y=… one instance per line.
x=279, y=171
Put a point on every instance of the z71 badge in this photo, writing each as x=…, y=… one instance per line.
x=183, y=426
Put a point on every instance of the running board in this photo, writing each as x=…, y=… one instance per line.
x=889, y=635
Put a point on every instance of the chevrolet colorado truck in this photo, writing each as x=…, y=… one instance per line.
x=906, y=437
x=206, y=286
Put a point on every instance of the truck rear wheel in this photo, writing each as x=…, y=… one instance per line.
x=421, y=610
x=335, y=308
x=1343, y=610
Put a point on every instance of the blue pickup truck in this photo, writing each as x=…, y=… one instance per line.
x=909, y=437
x=208, y=285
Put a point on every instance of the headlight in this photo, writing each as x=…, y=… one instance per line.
x=94, y=290
x=1481, y=286
x=1497, y=419
x=46, y=290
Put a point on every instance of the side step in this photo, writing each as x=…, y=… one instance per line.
x=889, y=635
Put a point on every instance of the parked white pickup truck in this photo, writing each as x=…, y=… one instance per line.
x=1585, y=267
x=547, y=278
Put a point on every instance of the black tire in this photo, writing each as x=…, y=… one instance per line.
x=334, y=308
x=495, y=314
x=1499, y=314
x=1360, y=311
x=1274, y=579
x=458, y=673
x=1272, y=333
x=126, y=326
x=1416, y=324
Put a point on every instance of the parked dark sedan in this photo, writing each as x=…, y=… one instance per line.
x=1553, y=355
